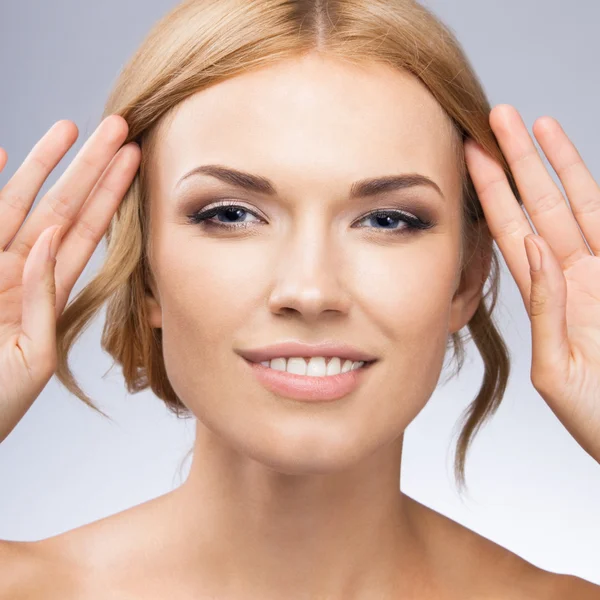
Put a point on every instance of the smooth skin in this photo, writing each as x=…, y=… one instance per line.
x=562, y=298
x=35, y=288
x=83, y=201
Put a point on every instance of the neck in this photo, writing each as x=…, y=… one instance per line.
x=247, y=529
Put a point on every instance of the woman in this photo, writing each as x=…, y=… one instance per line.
x=318, y=182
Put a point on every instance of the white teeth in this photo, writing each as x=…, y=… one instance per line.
x=316, y=366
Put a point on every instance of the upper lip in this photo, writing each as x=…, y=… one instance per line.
x=300, y=349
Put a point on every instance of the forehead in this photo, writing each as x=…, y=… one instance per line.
x=319, y=116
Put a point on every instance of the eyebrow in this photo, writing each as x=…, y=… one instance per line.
x=360, y=189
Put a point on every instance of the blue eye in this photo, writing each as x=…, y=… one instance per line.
x=384, y=217
x=230, y=211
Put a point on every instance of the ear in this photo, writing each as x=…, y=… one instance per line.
x=469, y=290
x=153, y=309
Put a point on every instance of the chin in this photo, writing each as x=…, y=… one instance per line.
x=307, y=450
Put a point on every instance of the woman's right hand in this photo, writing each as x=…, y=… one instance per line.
x=34, y=286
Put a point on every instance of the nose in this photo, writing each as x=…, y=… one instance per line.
x=308, y=279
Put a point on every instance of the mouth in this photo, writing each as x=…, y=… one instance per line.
x=293, y=348
x=311, y=387
x=364, y=365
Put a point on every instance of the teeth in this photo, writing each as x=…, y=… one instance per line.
x=316, y=366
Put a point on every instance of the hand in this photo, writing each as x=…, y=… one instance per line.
x=562, y=298
x=78, y=208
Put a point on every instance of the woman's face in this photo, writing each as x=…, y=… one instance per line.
x=310, y=264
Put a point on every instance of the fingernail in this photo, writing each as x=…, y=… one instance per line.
x=54, y=244
x=533, y=254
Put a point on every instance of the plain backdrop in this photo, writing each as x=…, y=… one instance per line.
x=533, y=489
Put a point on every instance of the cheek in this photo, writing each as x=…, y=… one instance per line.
x=210, y=292
x=407, y=290
x=410, y=305
x=202, y=307
x=202, y=311
x=411, y=291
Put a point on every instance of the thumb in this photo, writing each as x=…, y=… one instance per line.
x=38, y=321
x=547, y=309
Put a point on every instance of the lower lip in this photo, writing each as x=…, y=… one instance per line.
x=303, y=387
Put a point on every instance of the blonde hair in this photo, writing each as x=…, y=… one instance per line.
x=203, y=42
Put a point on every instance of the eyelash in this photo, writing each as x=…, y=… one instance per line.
x=413, y=224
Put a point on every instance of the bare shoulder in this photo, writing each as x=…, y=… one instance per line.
x=25, y=571
x=56, y=568
x=15, y=566
x=40, y=569
x=575, y=587
x=557, y=586
x=77, y=563
x=484, y=568
x=523, y=580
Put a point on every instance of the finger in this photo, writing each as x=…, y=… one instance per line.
x=548, y=313
x=504, y=216
x=81, y=240
x=542, y=198
x=582, y=190
x=63, y=202
x=3, y=159
x=38, y=323
x=18, y=195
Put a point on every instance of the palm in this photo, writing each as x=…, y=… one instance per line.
x=583, y=301
x=11, y=294
x=563, y=299
x=13, y=371
x=82, y=203
x=583, y=326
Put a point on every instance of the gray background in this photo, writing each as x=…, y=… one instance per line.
x=532, y=488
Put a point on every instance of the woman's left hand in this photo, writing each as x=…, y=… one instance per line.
x=563, y=297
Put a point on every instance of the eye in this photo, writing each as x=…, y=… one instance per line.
x=231, y=212
x=228, y=210
x=384, y=217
